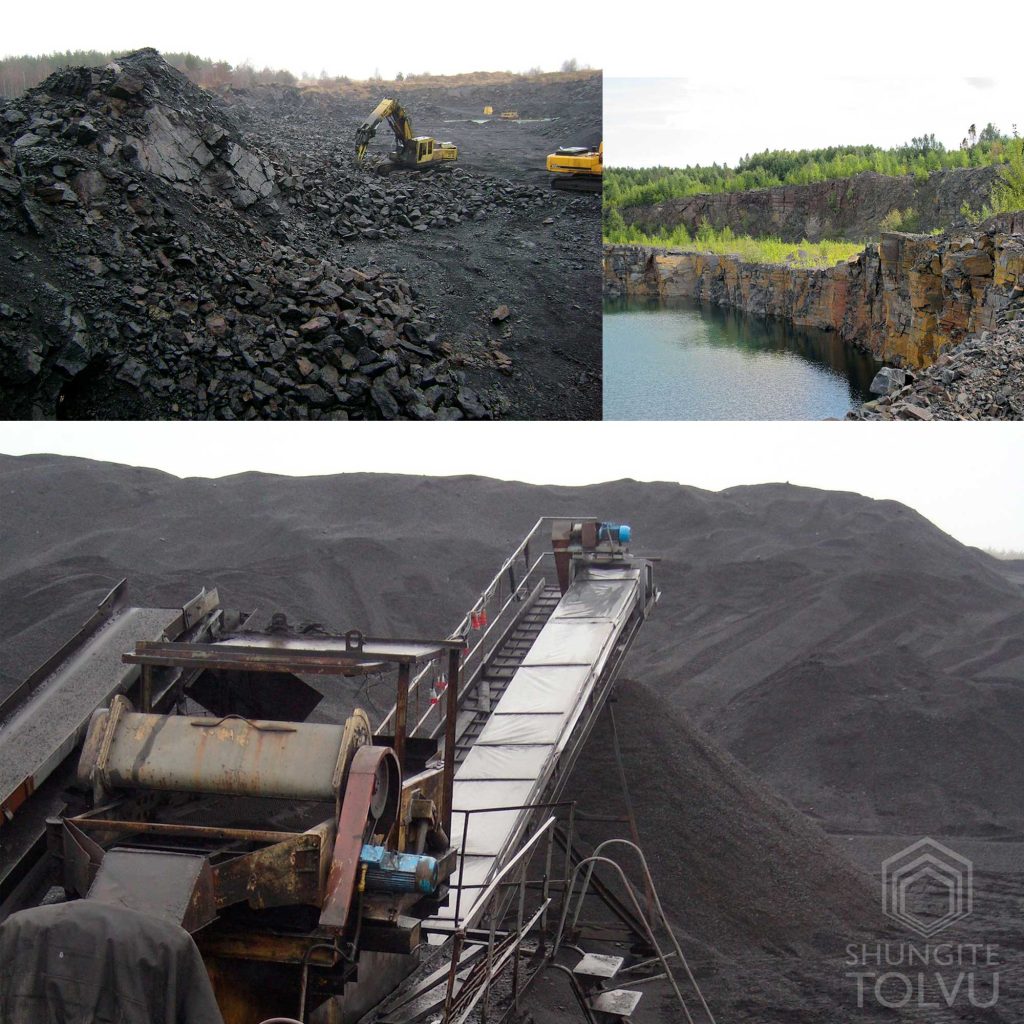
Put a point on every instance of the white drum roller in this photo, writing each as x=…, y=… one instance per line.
x=230, y=756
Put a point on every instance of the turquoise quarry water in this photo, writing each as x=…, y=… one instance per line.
x=680, y=360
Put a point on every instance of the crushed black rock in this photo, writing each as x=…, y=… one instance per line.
x=982, y=378
x=158, y=260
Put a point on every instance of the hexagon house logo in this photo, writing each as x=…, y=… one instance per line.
x=927, y=887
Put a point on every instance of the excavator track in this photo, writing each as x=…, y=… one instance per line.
x=577, y=183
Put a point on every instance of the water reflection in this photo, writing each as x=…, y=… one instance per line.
x=684, y=360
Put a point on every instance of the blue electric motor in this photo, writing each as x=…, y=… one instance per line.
x=390, y=871
x=616, y=533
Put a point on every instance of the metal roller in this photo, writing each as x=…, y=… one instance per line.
x=230, y=756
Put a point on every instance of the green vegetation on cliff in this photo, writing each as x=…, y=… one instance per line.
x=1007, y=192
x=726, y=243
x=645, y=186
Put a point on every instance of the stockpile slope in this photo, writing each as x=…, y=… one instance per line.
x=758, y=874
x=762, y=901
x=859, y=660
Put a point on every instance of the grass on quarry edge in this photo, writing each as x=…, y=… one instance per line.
x=751, y=250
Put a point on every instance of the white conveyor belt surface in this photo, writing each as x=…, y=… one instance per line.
x=514, y=757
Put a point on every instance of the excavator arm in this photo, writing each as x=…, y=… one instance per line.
x=398, y=120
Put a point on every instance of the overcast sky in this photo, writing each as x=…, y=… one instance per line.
x=789, y=47
x=966, y=478
x=708, y=119
x=353, y=39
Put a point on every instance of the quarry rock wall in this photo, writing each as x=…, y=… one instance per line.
x=903, y=299
x=850, y=208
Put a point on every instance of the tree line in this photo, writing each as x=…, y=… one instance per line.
x=25, y=72
x=645, y=186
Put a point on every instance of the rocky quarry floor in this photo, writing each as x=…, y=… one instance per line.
x=982, y=378
x=166, y=253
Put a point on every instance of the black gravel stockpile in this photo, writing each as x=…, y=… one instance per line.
x=836, y=645
x=165, y=253
x=845, y=653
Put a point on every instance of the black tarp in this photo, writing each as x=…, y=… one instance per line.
x=85, y=962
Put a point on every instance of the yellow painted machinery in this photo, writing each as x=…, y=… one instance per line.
x=412, y=152
x=488, y=110
x=509, y=115
x=577, y=168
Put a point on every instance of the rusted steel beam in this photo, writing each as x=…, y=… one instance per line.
x=281, y=875
x=401, y=711
x=316, y=949
x=365, y=802
x=146, y=689
x=252, y=659
x=323, y=655
x=450, y=722
x=154, y=828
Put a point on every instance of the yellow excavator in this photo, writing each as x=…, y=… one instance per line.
x=577, y=168
x=413, y=152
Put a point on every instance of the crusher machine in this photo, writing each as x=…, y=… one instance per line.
x=312, y=862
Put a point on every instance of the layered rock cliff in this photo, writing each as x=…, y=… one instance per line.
x=903, y=299
x=850, y=208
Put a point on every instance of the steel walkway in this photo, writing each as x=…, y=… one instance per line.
x=500, y=669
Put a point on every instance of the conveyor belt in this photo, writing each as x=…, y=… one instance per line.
x=533, y=733
x=44, y=729
x=501, y=669
x=42, y=721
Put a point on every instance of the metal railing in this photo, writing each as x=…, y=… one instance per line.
x=590, y=863
x=477, y=985
x=484, y=626
x=467, y=816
